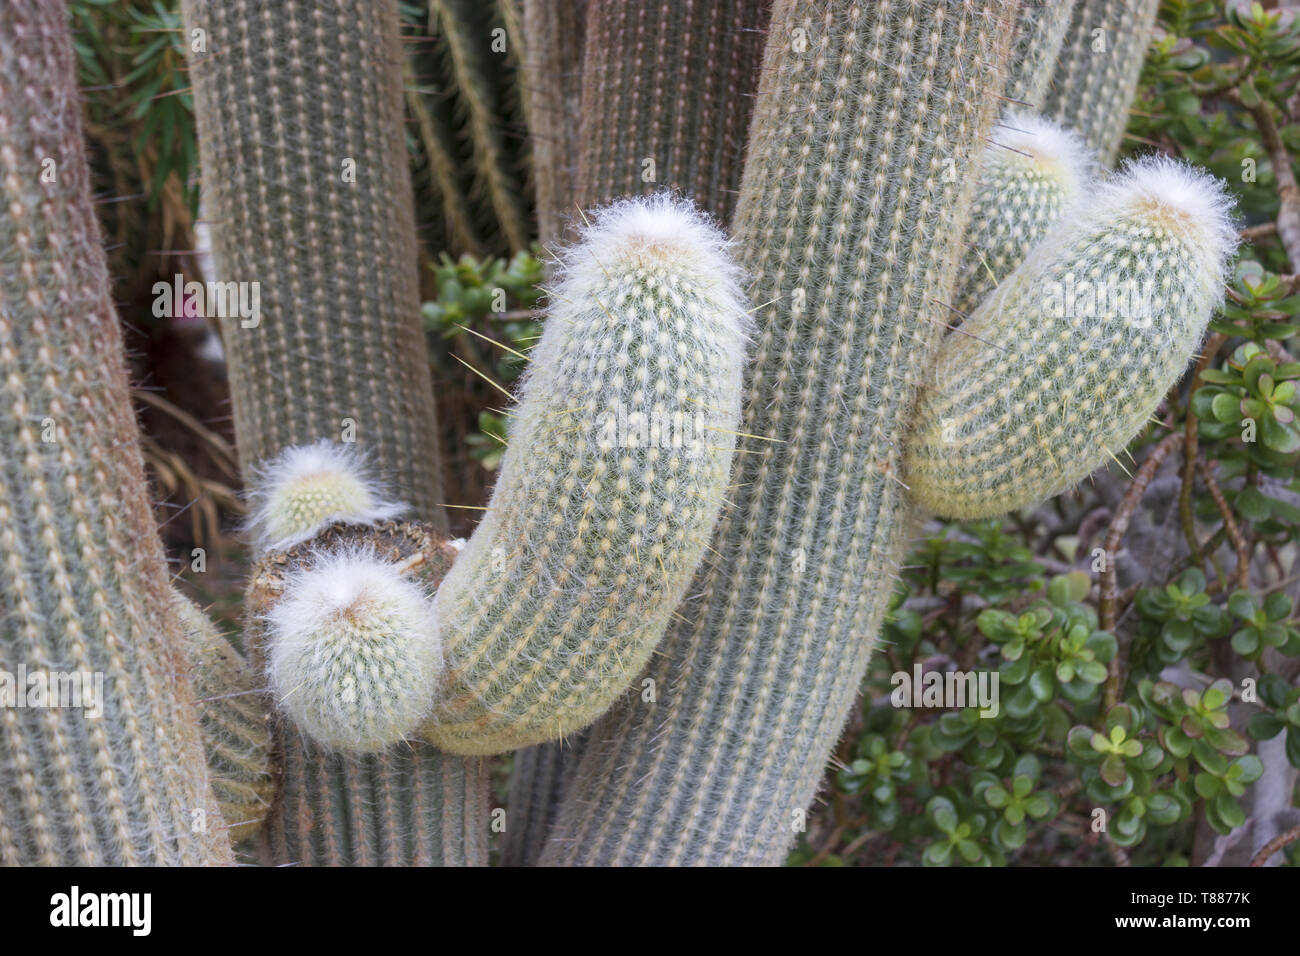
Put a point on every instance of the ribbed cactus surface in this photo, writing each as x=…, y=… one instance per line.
x=305, y=180
x=1097, y=71
x=666, y=98
x=620, y=454
x=405, y=805
x=848, y=221
x=1068, y=358
x=108, y=768
x=1040, y=32
x=306, y=186
x=1031, y=172
x=234, y=718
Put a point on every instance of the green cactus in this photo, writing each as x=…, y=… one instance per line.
x=234, y=719
x=466, y=97
x=848, y=223
x=619, y=461
x=1029, y=176
x=856, y=414
x=706, y=168
x=1065, y=362
x=1040, y=32
x=639, y=136
x=1097, y=72
x=299, y=111
x=115, y=775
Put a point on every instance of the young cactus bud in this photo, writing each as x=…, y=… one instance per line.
x=307, y=487
x=1030, y=175
x=352, y=651
x=620, y=451
x=1066, y=360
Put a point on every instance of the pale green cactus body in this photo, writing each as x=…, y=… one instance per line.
x=101, y=759
x=850, y=227
x=352, y=651
x=1065, y=362
x=620, y=451
x=1098, y=68
x=234, y=719
x=308, y=487
x=307, y=188
x=1030, y=175
x=1040, y=32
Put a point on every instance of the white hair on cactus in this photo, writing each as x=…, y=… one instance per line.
x=1030, y=177
x=1066, y=360
x=1049, y=146
x=1188, y=201
x=308, y=487
x=353, y=651
x=619, y=459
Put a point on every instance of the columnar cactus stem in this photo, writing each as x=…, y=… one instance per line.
x=83, y=581
x=1097, y=72
x=553, y=68
x=1031, y=173
x=1040, y=33
x=619, y=461
x=850, y=224
x=299, y=112
x=299, y=109
x=656, y=75
x=1067, y=359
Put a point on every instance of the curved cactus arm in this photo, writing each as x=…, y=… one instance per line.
x=850, y=215
x=234, y=718
x=1031, y=173
x=1040, y=33
x=619, y=458
x=115, y=774
x=1097, y=71
x=1065, y=362
x=299, y=112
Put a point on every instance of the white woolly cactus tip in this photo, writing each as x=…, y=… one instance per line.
x=1186, y=201
x=308, y=487
x=353, y=652
x=1031, y=174
x=1065, y=362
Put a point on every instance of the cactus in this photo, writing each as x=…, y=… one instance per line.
x=848, y=224
x=1040, y=32
x=116, y=775
x=640, y=136
x=471, y=156
x=1067, y=359
x=706, y=168
x=299, y=110
x=353, y=650
x=233, y=717
x=306, y=488
x=620, y=455
x=1029, y=176
x=1098, y=68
